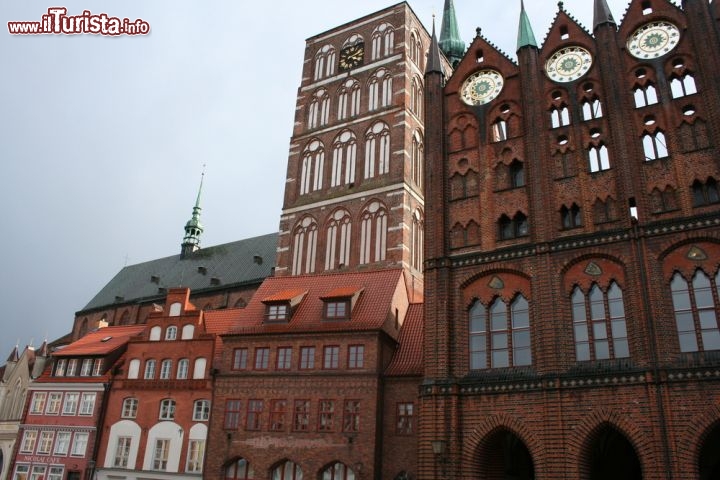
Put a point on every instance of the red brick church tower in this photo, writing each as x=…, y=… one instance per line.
x=354, y=188
x=572, y=283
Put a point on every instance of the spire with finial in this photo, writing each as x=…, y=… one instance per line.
x=15, y=354
x=433, y=63
x=602, y=14
x=193, y=228
x=526, y=37
x=450, y=43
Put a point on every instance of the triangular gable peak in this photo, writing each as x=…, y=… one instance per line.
x=640, y=12
x=177, y=319
x=481, y=54
x=566, y=31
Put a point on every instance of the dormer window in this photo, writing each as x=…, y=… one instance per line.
x=339, y=303
x=278, y=312
x=280, y=306
x=337, y=309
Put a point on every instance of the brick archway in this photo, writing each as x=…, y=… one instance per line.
x=482, y=436
x=695, y=436
x=583, y=436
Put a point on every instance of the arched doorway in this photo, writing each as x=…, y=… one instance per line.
x=504, y=456
x=610, y=456
x=709, y=461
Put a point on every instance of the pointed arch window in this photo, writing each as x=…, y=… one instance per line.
x=559, y=116
x=373, y=234
x=599, y=326
x=324, y=62
x=571, y=217
x=513, y=227
x=383, y=39
x=239, y=470
x=415, y=51
x=418, y=159
x=682, y=85
x=654, y=145
x=377, y=150
x=664, y=200
x=304, y=246
x=499, y=334
x=338, y=471
x=416, y=98
x=287, y=471
x=645, y=95
x=604, y=211
x=349, y=99
x=313, y=162
x=344, y=159
x=599, y=158
x=499, y=131
x=339, y=230
x=319, y=110
x=417, y=241
x=517, y=174
x=591, y=108
x=696, y=307
x=705, y=193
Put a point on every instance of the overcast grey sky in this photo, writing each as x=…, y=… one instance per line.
x=103, y=139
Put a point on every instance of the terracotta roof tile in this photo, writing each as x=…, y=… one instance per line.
x=285, y=295
x=341, y=292
x=94, y=343
x=408, y=358
x=371, y=311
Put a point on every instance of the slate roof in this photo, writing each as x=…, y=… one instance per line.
x=371, y=311
x=93, y=344
x=230, y=263
x=408, y=358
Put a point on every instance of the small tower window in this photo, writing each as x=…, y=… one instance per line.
x=644, y=96
x=599, y=158
x=499, y=130
x=654, y=146
x=571, y=217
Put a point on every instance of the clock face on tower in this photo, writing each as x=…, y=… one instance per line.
x=653, y=40
x=568, y=64
x=481, y=87
x=352, y=56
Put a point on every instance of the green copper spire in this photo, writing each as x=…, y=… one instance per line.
x=526, y=37
x=450, y=43
x=193, y=228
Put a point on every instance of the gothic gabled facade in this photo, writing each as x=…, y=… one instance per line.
x=572, y=290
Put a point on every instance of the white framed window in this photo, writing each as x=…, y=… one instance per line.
x=201, y=410
x=122, y=452
x=161, y=454
x=134, y=369
x=97, y=367
x=28, y=441
x=129, y=408
x=87, y=404
x=156, y=330
x=71, y=367
x=21, y=472
x=62, y=444
x=79, y=445
x=149, y=369
x=46, y=442
x=37, y=405
x=53, y=403
x=71, y=403
x=60, y=367
x=171, y=333
x=187, y=332
x=165, y=369
x=196, y=454
x=55, y=473
x=182, y=370
x=599, y=158
x=654, y=145
x=38, y=472
x=167, y=409
x=86, y=368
